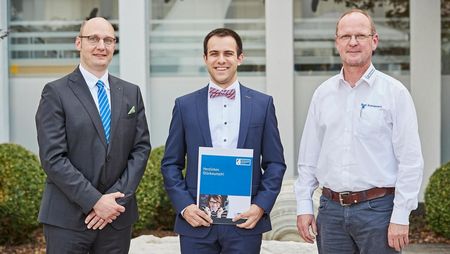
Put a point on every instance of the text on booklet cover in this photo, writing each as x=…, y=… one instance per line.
x=224, y=182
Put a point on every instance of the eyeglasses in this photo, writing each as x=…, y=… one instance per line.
x=94, y=39
x=358, y=37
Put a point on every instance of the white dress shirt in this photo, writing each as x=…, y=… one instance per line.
x=91, y=81
x=359, y=138
x=224, y=118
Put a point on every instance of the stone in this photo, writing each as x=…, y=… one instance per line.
x=284, y=214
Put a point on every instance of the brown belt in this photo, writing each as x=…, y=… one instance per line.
x=348, y=198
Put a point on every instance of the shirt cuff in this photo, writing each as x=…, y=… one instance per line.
x=400, y=216
x=305, y=207
x=182, y=212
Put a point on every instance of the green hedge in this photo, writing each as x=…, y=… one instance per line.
x=21, y=185
x=155, y=209
x=437, y=201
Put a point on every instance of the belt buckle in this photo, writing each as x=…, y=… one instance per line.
x=341, y=198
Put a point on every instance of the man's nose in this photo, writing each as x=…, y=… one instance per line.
x=353, y=41
x=101, y=44
x=221, y=58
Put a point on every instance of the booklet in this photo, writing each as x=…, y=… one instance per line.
x=224, y=183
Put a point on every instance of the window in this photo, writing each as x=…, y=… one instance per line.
x=177, y=29
x=315, y=28
x=42, y=34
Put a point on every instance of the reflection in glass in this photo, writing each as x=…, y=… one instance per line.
x=445, y=69
x=315, y=29
x=42, y=38
x=445, y=36
x=177, y=29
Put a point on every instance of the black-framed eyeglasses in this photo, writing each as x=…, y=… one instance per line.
x=358, y=37
x=94, y=39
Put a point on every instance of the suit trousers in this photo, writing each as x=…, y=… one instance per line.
x=105, y=241
x=361, y=228
x=221, y=239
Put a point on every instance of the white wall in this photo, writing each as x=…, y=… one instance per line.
x=280, y=72
x=24, y=101
x=425, y=22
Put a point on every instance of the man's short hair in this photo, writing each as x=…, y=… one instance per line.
x=365, y=13
x=223, y=32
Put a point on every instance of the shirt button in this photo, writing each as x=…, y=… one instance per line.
x=224, y=140
x=224, y=106
x=225, y=123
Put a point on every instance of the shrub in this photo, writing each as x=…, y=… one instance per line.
x=21, y=185
x=155, y=209
x=437, y=201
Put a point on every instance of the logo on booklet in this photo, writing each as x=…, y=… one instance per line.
x=243, y=162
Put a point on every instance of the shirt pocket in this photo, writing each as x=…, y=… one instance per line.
x=371, y=122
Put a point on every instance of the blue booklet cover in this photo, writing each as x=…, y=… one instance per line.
x=224, y=183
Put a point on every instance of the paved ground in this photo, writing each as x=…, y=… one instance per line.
x=428, y=249
x=169, y=245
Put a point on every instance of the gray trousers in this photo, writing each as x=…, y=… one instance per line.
x=67, y=241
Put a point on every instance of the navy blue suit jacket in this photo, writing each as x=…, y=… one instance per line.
x=189, y=129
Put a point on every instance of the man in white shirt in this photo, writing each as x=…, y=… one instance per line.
x=361, y=144
x=223, y=114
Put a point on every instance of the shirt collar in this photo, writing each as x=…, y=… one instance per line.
x=368, y=76
x=91, y=79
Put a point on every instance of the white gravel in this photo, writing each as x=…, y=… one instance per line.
x=150, y=244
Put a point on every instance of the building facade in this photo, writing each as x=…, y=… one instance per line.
x=288, y=47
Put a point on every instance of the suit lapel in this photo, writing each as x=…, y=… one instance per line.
x=81, y=91
x=202, y=115
x=246, y=112
x=116, y=91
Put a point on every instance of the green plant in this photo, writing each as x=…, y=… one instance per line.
x=21, y=184
x=437, y=201
x=155, y=209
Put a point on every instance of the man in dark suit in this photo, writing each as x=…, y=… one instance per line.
x=93, y=145
x=229, y=115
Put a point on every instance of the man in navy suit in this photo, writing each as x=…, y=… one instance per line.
x=223, y=114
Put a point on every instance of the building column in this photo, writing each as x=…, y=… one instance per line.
x=4, y=75
x=280, y=72
x=425, y=20
x=134, y=56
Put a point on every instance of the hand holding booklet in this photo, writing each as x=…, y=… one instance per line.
x=224, y=182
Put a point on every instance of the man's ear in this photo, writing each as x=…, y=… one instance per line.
x=240, y=58
x=78, y=43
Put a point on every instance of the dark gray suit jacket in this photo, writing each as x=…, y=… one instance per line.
x=79, y=164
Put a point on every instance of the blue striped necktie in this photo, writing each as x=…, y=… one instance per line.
x=105, y=112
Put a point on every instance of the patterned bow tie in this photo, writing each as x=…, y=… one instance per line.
x=214, y=92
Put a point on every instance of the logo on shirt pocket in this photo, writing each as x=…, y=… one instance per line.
x=371, y=120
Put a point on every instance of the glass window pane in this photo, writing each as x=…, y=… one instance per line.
x=177, y=29
x=42, y=38
x=445, y=49
x=315, y=28
x=445, y=36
